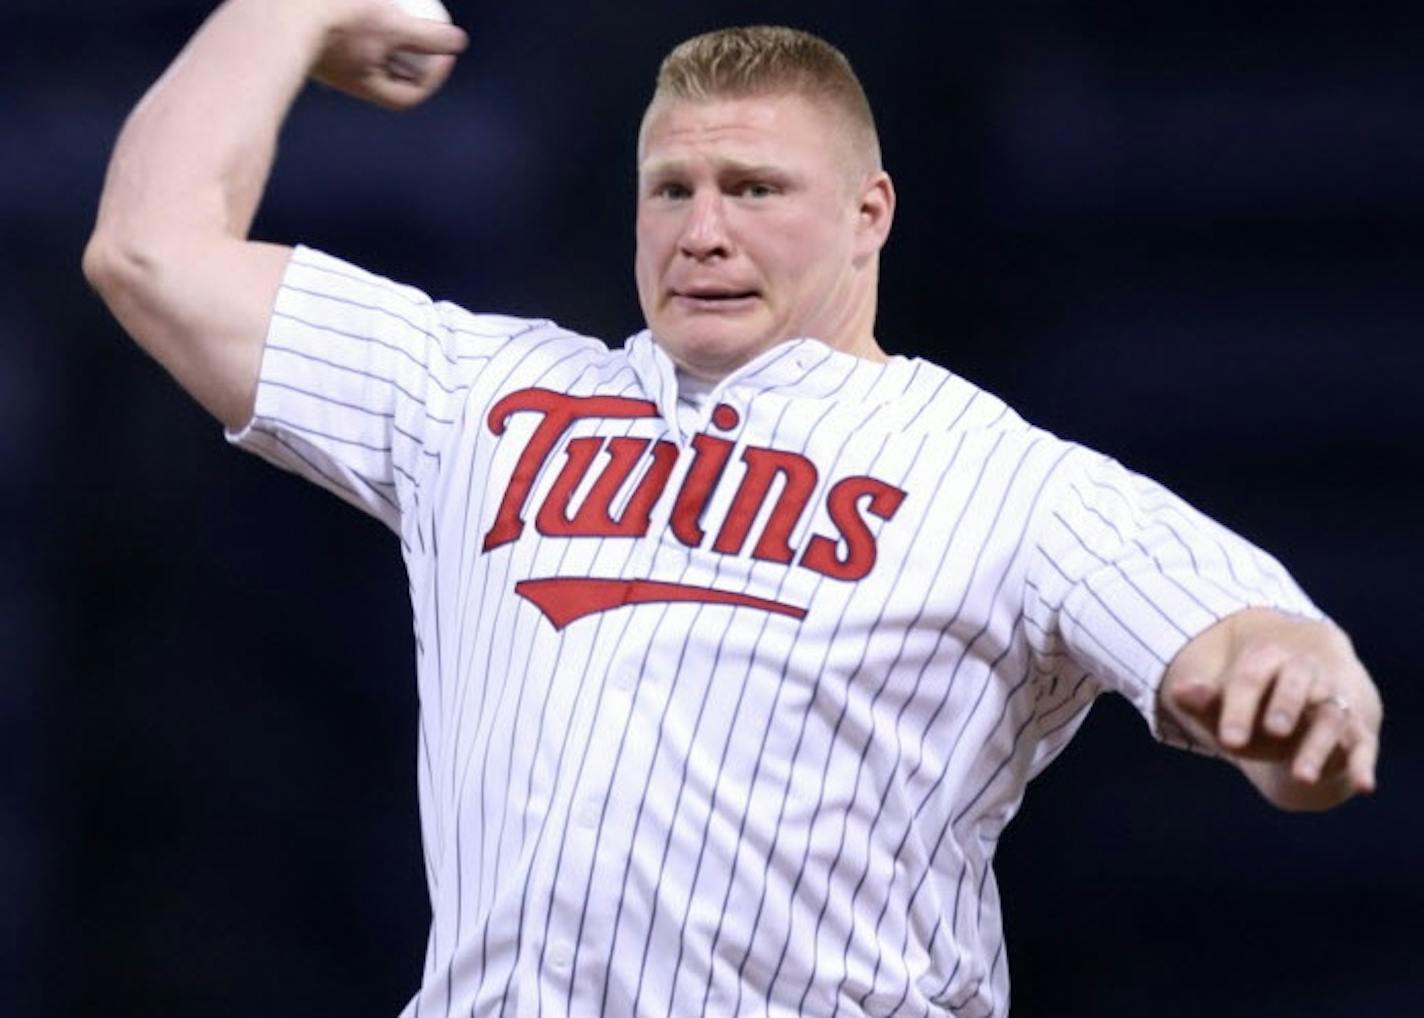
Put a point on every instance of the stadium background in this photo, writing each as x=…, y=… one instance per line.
x=1188, y=234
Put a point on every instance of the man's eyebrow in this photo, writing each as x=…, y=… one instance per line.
x=736, y=167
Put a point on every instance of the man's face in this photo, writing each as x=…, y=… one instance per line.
x=752, y=229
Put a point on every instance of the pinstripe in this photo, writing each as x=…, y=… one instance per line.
x=1084, y=584
x=378, y=309
x=1158, y=522
x=723, y=758
x=682, y=782
x=464, y=683
x=637, y=825
x=321, y=473
x=302, y=259
x=400, y=351
x=1069, y=719
x=939, y=842
x=949, y=546
x=439, y=668
x=1163, y=569
x=560, y=775
x=519, y=702
x=1165, y=615
x=733, y=834
x=375, y=377
x=470, y=646
x=756, y=772
x=474, y=508
x=506, y=329
x=642, y=668
x=480, y=715
x=863, y=753
x=648, y=778
x=307, y=431
x=949, y=689
x=726, y=744
x=820, y=801
x=1071, y=696
x=984, y=875
x=1173, y=506
x=945, y=475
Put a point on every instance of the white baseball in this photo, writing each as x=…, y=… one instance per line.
x=432, y=9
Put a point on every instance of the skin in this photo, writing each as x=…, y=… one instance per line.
x=752, y=229
x=1260, y=689
x=759, y=219
x=170, y=252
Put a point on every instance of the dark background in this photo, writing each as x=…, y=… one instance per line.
x=1186, y=233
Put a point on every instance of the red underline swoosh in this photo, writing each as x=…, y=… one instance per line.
x=564, y=599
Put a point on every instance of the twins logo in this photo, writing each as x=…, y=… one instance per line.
x=564, y=599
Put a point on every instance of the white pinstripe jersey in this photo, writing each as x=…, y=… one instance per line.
x=726, y=719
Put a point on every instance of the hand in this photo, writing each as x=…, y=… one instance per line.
x=1286, y=699
x=375, y=51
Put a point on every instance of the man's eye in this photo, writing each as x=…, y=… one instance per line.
x=755, y=189
x=674, y=191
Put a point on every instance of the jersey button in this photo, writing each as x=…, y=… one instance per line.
x=624, y=679
x=588, y=814
x=725, y=416
x=561, y=955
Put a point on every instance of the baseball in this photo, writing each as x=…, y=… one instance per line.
x=432, y=9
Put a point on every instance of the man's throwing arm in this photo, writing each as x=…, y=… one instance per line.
x=170, y=253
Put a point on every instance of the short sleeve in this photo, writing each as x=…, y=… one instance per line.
x=1124, y=573
x=363, y=380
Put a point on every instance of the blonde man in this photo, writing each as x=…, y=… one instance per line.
x=738, y=644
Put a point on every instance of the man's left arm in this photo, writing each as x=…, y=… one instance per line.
x=1285, y=699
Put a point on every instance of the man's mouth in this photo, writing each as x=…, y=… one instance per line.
x=713, y=298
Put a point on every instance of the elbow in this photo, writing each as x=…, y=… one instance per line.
x=130, y=276
x=114, y=266
x=99, y=263
x=110, y=267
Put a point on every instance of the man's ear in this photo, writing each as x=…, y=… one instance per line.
x=875, y=211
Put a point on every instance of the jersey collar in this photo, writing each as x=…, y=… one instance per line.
x=802, y=368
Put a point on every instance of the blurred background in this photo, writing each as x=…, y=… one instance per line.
x=1189, y=234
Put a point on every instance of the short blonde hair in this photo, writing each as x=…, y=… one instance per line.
x=768, y=60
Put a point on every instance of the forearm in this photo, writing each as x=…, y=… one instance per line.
x=192, y=160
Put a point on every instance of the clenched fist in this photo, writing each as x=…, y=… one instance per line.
x=376, y=51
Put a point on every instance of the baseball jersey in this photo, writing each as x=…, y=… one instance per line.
x=726, y=694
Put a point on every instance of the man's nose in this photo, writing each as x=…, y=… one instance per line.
x=704, y=234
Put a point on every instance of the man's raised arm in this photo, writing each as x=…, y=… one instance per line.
x=169, y=253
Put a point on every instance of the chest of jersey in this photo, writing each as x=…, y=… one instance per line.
x=832, y=520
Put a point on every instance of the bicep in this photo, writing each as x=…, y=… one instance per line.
x=201, y=309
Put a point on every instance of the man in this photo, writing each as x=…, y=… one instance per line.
x=736, y=646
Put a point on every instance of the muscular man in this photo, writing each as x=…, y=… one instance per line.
x=736, y=645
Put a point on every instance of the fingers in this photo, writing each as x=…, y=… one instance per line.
x=1287, y=700
x=377, y=52
x=1248, y=679
x=435, y=37
x=1289, y=695
x=406, y=79
x=1329, y=727
x=423, y=57
x=1362, y=761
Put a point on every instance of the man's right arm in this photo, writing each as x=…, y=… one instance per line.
x=170, y=253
